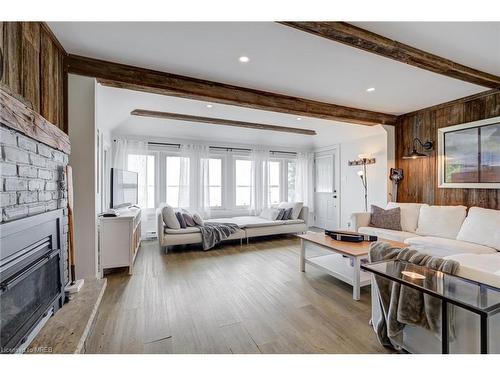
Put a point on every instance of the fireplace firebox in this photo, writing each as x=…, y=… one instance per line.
x=31, y=277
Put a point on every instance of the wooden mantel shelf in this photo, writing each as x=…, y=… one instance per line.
x=18, y=116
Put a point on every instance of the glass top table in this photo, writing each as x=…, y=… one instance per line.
x=471, y=295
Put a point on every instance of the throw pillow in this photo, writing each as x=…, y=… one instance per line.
x=269, y=214
x=181, y=220
x=198, y=220
x=188, y=218
x=169, y=217
x=288, y=214
x=296, y=208
x=386, y=219
x=281, y=212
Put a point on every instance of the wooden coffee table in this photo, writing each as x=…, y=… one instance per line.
x=344, y=259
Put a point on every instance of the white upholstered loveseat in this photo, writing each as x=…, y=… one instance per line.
x=250, y=226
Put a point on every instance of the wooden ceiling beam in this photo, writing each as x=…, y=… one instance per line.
x=365, y=40
x=220, y=121
x=140, y=79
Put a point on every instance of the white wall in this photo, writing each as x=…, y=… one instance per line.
x=82, y=133
x=381, y=147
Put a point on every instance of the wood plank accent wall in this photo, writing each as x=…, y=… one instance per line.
x=33, y=69
x=420, y=182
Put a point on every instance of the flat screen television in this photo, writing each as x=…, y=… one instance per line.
x=123, y=188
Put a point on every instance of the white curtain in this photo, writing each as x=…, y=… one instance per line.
x=304, y=179
x=186, y=159
x=122, y=149
x=260, y=181
x=203, y=185
x=200, y=192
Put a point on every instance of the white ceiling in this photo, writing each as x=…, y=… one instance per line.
x=113, y=115
x=289, y=61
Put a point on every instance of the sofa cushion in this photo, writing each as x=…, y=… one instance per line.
x=247, y=221
x=180, y=219
x=281, y=213
x=388, y=234
x=182, y=230
x=295, y=206
x=169, y=217
x=198, y=219
x=269, y=213
x=441, y=221
x=484, y=268
x=481, y=226
x=291, y=221
x=188, y=218
x=288, y=214
x=386, y=219
x=442, y=247
x=409, y=214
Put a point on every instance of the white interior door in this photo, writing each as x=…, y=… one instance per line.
x=326, y=191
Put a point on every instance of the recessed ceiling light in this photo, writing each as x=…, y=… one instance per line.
x=209, y=105
x=244, y=59
x=299, y=118
x=371, y=89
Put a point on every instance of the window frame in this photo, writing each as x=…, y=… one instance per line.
x=234, y=185
x=281, y=178
x=442, y=155
x=222, y=181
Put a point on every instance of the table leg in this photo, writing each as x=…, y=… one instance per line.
x=356, y=280
x=484, y=334
x=445, y=346
x=302, y=255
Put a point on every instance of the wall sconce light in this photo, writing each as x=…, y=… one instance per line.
x=429, y=145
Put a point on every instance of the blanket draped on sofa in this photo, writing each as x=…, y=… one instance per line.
x=401, y=305
x=214, y=233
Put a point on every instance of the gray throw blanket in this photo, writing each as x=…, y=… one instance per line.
x=401, y=305
x=214, y=233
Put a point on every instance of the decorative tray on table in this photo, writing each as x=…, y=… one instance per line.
x=350, y=236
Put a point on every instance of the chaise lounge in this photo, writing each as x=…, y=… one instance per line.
x=250, y=226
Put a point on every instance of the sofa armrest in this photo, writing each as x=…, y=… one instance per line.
x=160, y=227
x=304, y=215
x=360, y=219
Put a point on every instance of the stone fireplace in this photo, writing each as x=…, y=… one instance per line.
x=33, y=221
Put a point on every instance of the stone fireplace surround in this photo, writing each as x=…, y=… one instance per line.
x=33, y=198
x=33, y=158
x=33, y=181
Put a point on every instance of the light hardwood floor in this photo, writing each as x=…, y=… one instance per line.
x=233, y=299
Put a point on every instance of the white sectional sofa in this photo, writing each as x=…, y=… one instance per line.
x=250, y=226
x=472, y=238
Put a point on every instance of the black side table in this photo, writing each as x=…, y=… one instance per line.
x=471, y=295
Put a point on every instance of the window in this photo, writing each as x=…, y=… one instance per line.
x=290, y=179
x=215, y=182
x=472, y=155
x=324, y=174
x=177, y=176
x=243, y=171
x=274, y=182
x=144, y=166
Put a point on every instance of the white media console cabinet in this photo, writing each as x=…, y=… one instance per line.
x=119, y=239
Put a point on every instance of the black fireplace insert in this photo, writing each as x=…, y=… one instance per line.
x=31, y=276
